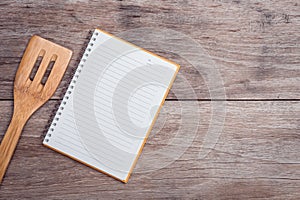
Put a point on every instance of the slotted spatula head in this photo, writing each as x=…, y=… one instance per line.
x=33, y=93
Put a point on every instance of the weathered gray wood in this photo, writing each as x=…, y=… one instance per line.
x=255, y=45
x=256, y=156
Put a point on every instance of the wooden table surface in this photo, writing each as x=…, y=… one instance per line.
x=254, y=45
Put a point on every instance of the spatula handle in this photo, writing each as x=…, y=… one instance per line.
x=9, y=143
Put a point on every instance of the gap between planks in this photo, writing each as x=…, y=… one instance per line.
x=56, y=99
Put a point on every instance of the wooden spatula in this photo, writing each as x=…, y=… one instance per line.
x=32, y=93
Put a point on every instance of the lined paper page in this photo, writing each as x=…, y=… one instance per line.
x=110, y=105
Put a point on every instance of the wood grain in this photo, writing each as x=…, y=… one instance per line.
x=255, y=45
x=256, y=156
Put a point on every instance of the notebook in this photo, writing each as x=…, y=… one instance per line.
x=111, y=104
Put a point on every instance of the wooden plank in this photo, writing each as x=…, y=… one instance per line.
x=36, y=124
x=255, y=45
x=256, y=156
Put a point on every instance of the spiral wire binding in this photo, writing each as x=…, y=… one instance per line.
x=68, y=86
